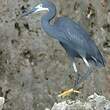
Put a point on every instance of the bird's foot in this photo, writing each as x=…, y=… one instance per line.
x=68, y=92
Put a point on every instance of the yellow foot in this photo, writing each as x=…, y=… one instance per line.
x=68, y=92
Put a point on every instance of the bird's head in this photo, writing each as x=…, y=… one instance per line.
x=44, y=6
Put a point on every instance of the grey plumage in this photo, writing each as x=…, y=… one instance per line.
x=78, y=42
x=71, y=35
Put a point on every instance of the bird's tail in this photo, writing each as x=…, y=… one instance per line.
x=100, y=60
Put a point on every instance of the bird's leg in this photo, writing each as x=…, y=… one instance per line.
x=77, y=75
x=85, y=76
x=87, y=73
x=75, y=68
x=89, y=69
x=86, y=62
x=70, y=91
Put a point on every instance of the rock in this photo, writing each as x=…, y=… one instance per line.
x=94, y=102
x=2, y=101
x=34, y=67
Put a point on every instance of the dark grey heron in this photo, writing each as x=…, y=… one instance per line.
x=72, y=37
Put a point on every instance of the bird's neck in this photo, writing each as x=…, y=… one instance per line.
x=46, y=19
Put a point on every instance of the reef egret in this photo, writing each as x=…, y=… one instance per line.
x=72, y=36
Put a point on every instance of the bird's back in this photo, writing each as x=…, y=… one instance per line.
x=78, y=39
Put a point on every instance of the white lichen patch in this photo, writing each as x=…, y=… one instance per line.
x=94, y=102
x=2, y=101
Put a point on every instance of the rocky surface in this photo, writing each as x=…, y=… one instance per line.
x=2, y=101
x=93, y=102
x=34, y=67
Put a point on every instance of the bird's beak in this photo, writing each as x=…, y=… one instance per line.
x=27, y=12
x=35, y=10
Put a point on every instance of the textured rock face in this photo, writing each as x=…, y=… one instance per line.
x=33, y=66
x=94, y=102
x=2, y=101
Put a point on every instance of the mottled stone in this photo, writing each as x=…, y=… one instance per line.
x=33, y=66
x=94, y=102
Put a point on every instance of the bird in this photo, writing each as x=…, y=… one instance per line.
x=76, y=41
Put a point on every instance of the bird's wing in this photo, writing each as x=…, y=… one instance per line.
x=74, y=34
x=77, y=38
